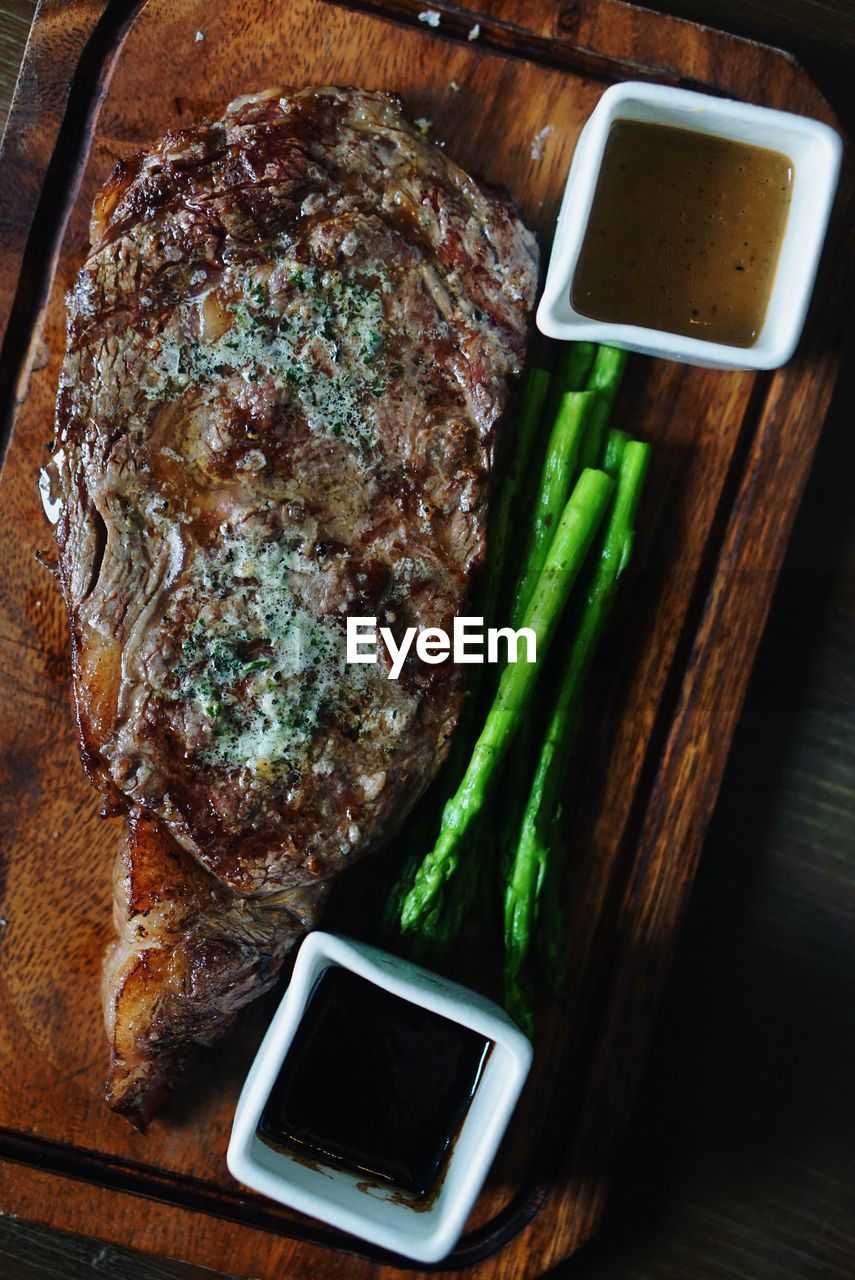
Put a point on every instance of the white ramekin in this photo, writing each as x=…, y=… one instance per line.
x=380, y=1214
x=814, y=150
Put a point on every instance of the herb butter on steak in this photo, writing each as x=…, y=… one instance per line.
x=288, y=354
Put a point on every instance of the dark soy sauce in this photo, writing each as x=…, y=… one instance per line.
x=374, y=1084
x=684, y=233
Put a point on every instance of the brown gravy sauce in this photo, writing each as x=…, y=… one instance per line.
x=684, y=233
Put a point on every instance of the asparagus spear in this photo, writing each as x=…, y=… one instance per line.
x=556, y=480
x=571, y=373
x=606, y=373
x=537, y=849
x=573, y=369
x=613, y=451
x=573, y=538
x=458, y=894
x=575, y=442
x=391, y=915
x=604, y=379
x=534, y=393
x=633, y=460
x=560, y=468
x=574, y=366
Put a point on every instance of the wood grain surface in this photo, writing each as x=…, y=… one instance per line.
x=109, y=1262
x=15, y=19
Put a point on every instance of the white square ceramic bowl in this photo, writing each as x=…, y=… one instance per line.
x=814, y=150
x=379, y=1214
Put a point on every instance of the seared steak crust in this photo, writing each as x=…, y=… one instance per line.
x=288, y=352
x=188, y=955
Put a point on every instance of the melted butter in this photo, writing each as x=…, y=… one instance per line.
x=320, y=339
x=257, y=669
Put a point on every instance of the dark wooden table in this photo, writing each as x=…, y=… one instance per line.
x=739, y=1165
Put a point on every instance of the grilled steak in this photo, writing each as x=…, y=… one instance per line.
x=189, y=954
x=288, y=353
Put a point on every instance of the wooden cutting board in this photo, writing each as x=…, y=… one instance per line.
x=731, y=453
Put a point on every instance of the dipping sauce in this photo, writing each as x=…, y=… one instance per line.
x=374, y=1084
x=684, y=233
